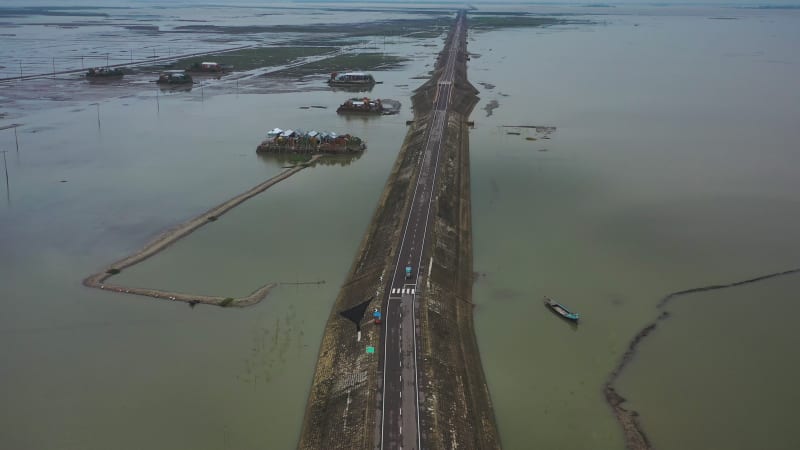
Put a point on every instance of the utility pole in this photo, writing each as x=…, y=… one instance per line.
x=106, y=60
x=16, y=139
x=98, y=113
x=54, y=68
x=5, y=166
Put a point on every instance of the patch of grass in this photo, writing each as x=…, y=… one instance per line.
x=113, y=271
x=344, y=62
x=495, y=22
x=378, y=28
x=226, y=302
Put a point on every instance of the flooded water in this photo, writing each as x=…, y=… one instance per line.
x=672, y=167
x=84, y=369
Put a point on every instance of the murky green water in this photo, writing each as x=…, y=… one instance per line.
x=673, y=166
x=84, y=369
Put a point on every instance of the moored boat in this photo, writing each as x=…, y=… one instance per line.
x=174, y=77
x=351, y=79
x=369, y=106
x=104, y=72
x=209, y=67
x=561, y=310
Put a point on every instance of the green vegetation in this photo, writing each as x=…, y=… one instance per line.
x=212, y=218
x=113, y=271
x=227, y=302
x=377, y=28
x=343, y=62
x=495, y=22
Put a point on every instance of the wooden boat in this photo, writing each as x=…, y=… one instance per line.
x=174, y=77
x=104, y=72
x=351, y=79
x=561, y=310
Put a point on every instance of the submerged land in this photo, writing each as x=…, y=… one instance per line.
x=658, y=179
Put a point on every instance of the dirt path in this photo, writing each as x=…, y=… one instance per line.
x=180, y=231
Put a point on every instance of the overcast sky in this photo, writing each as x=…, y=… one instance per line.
x=6, y=3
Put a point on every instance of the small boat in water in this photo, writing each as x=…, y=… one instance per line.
x=104, y=72
x=351, y=79
x=174, y=77
x=561, y=310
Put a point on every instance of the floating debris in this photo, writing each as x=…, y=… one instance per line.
x=490, y=107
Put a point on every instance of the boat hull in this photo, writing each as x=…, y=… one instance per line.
x=562, y=311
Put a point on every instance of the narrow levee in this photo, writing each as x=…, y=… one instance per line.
x=178, y=232
x=415, y=379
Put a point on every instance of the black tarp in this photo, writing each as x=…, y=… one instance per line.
x=356, y=313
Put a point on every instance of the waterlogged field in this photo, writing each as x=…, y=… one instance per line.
x=663, y=160
x=104, y=167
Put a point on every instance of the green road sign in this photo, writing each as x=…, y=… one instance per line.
x=370, y=349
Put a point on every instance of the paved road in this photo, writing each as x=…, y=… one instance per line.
x=400, y=398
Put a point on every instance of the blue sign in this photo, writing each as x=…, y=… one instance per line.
x=376, y=314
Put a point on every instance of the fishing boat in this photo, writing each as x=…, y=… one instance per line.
x=104, y=72
x=561, y=310
x=174, y=77
x=369, y=106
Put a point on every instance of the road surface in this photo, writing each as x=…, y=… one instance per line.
x=400, y=394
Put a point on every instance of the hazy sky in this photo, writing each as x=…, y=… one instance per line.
x=117, y=3
x=475, y=2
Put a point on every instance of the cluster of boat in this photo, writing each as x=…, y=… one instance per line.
x=298, y=141
x=166, y=77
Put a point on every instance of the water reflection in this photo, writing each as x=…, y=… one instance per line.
x=175, y=88
x=290, y=159
x=366, y=88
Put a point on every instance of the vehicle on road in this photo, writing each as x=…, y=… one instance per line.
x=408, y=272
